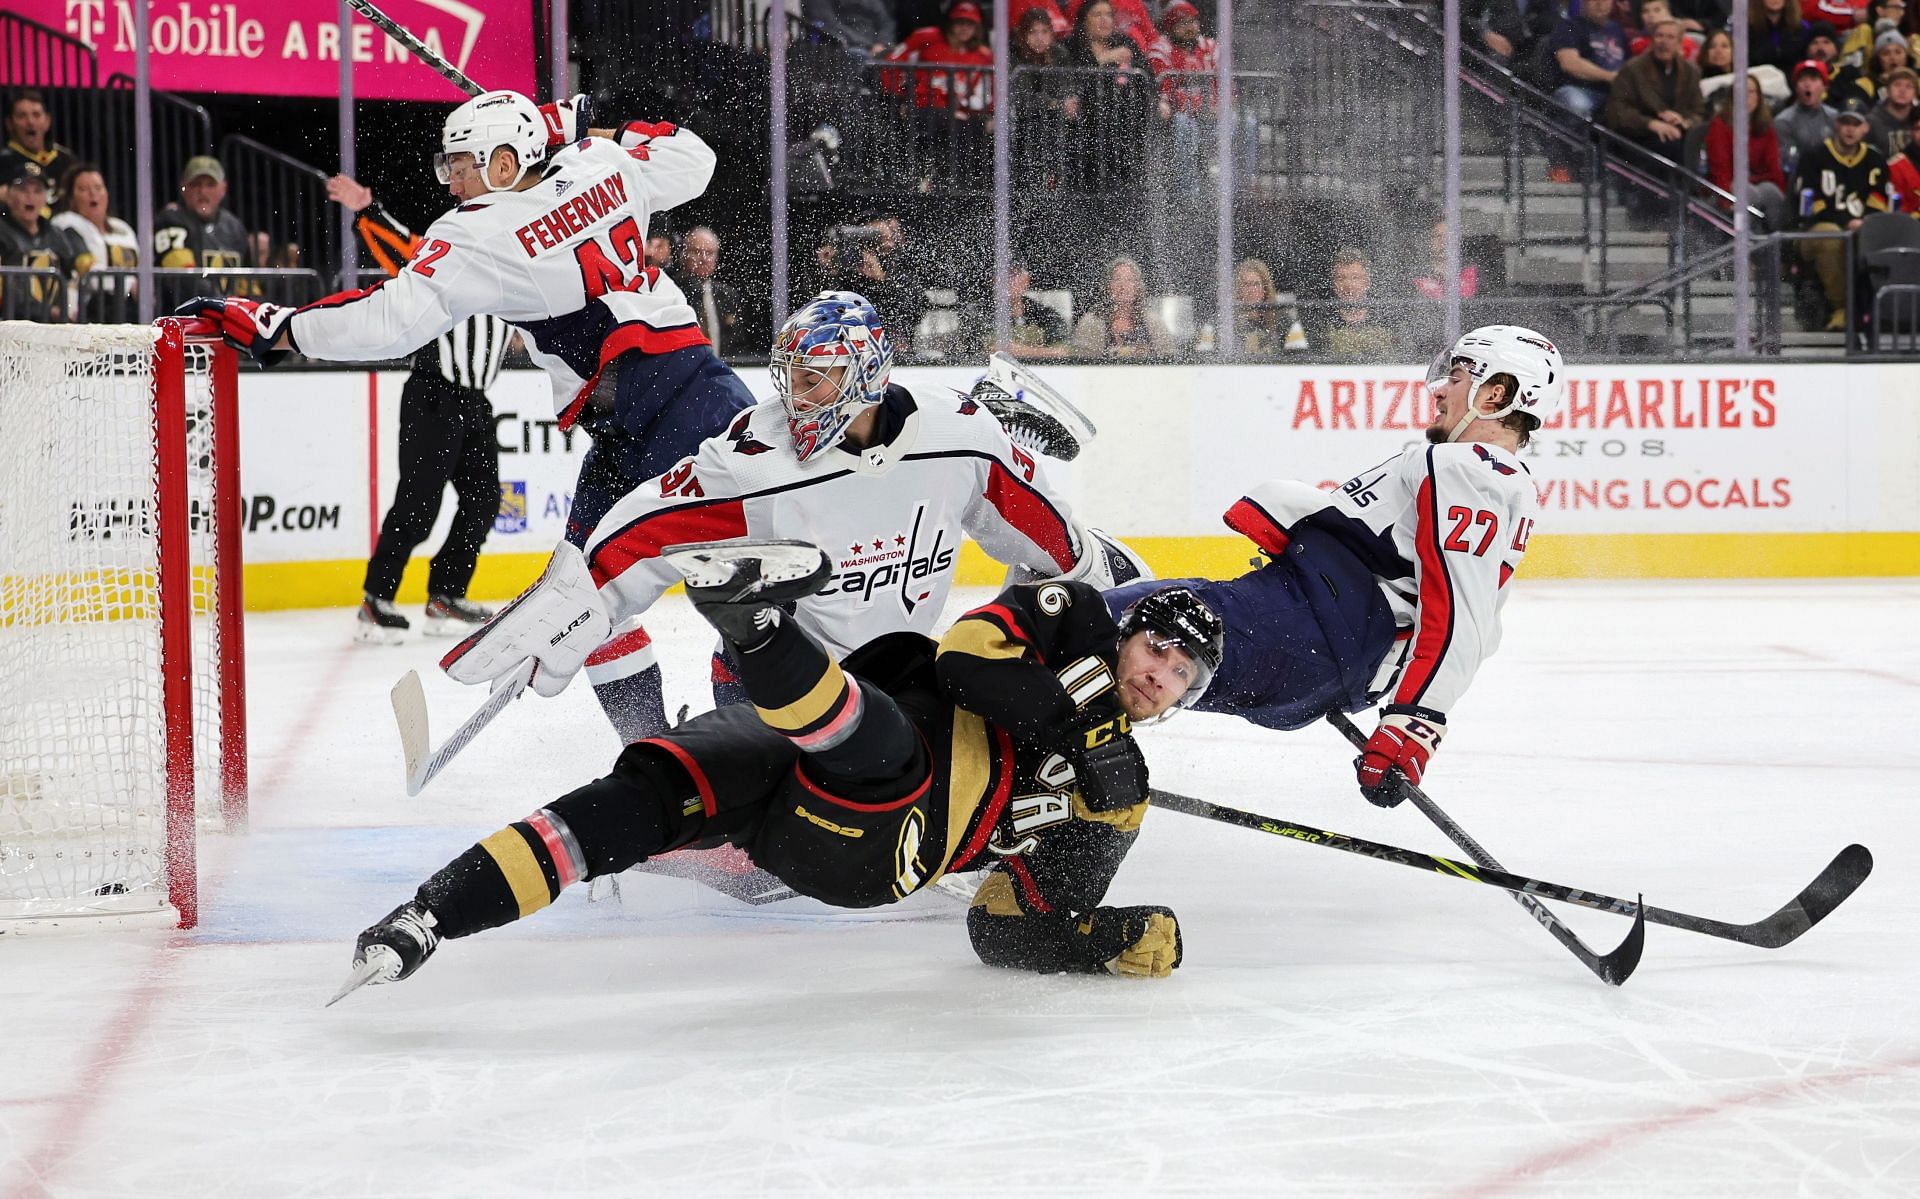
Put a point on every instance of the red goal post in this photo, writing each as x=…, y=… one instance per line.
x=122, y=650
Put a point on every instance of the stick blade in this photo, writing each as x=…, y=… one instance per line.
x=363, y=973
x=1616, y=967
x=1829, y=889
x=410, y=713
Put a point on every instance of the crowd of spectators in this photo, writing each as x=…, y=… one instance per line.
x=67, y=249
x=1832, y=100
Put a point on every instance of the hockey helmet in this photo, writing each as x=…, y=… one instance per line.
x=487, y=122
x=1533, y=361
x=834, y=329
x=1177, y=618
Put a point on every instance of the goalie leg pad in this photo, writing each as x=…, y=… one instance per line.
x=558, y=622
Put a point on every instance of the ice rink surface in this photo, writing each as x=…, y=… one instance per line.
x=1341, y=1027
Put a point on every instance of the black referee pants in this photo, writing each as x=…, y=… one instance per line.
x=446, y=436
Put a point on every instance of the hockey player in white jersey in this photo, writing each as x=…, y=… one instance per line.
x=549, y=235
x=888, y=483
x=1388, y=589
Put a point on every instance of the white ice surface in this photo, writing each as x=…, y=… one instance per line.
x=1341, y=1026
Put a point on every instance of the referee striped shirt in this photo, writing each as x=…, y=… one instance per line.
x=471, y=351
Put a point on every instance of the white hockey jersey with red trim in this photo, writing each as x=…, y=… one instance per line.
x=1442, y=528
x=539, y=258
x=891, y=517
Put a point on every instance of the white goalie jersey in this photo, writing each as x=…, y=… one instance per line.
x=891, y=517
x=563, y=260
x=1442, y=528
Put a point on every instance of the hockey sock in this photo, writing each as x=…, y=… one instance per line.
x=639, y=810
x=848, y=731
x=626, y=680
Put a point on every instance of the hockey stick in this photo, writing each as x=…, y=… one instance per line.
x=416, y=47
x=1815, y=902
x=1613, y=968
x=410, y=713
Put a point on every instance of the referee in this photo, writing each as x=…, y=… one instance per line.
x=446, y=436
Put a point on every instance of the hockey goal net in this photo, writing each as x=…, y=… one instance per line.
x=122, y=707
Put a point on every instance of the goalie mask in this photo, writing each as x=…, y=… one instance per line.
x=830, y=364
x=1534, y=362
x=1176, y=618
x=484, y=124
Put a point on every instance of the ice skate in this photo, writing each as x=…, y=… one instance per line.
x=392, y=949
x=380, y=623
x=453, y=616
x=739, y=584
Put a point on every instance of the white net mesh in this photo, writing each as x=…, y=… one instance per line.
x=83, y=825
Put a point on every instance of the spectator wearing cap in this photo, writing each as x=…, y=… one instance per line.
x=1807, y=120
x=1656, y=97
x=196, y=233
x=1823, y=42
x=27, y=239
x=1187, y=63
x=1768, y=180
x=1904, y=170
x=950, y=106
x=1838, y=184
x=30, y=139
x=1888, y=121
x=107, y=243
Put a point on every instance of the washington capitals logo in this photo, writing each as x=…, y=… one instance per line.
x=899, y=564
x=1499, y=467
x=744, y=442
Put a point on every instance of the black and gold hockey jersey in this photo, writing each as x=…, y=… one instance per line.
x=1845, y=186
x=36, y=298
x=181, y=240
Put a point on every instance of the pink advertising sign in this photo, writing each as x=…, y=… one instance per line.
x=292, y=47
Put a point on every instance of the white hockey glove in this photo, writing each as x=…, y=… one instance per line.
x=1035, y=416
x=557, y=622
x=1105, y=562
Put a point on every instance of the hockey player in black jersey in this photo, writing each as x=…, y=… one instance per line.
x=1009, y=740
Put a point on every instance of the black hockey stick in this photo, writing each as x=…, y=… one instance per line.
x=1826, y=892
x=419, y=49
x=1612, y=968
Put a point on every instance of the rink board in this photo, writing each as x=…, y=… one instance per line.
x=1735, y=471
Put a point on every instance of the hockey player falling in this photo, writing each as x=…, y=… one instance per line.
x=548, y=235
x=860, y=784
x=1389, y=588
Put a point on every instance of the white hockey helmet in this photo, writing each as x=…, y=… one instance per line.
x=487, y=122
x=1534, y=362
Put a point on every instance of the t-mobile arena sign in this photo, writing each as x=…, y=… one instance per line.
x=292, y=47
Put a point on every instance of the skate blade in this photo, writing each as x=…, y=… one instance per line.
x=368, y=971
x=710, y=563
x=373, y=634
x=441, y=626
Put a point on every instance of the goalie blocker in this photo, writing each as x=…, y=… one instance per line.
x=858, y=783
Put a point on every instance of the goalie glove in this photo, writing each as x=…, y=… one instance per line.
x=1400, y=746
x=1137, y=942
x=250, y=325
x=567, y=120
x=557, y=622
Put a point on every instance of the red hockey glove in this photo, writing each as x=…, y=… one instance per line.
x=567, y=120
x=1400, y=746
x=249, y=325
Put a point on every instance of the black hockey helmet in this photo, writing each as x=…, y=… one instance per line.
x=1178, y=617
